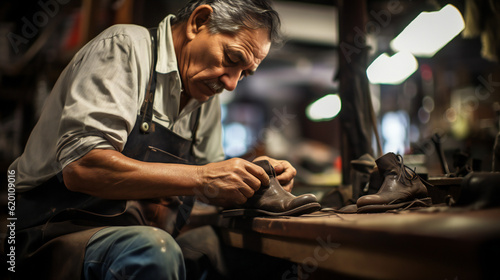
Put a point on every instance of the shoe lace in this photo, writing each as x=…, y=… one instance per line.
x=407, y=174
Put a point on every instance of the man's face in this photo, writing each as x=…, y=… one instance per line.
x=212, y=62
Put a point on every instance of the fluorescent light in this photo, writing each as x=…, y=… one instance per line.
x=392, y=70
x=430, y=31
x=325, y=108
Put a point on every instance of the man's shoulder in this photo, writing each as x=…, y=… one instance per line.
x=130, y=32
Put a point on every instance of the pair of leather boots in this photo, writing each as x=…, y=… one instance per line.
x=273, y=200
x=399, y=187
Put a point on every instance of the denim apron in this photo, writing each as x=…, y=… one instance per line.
x=55, y=224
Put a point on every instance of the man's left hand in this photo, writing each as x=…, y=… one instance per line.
x=285, y=172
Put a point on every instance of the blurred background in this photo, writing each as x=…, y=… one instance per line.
x=340, y=87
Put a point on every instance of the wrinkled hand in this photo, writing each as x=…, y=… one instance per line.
x=285, y=172
x=230, y=182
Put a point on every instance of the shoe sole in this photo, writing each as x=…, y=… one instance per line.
x=418, y=202
x=304, y=209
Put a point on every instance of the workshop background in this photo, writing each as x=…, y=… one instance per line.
x=295, y=107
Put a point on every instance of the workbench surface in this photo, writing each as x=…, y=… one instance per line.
x=432, y=243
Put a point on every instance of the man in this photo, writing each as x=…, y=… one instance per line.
x=109, y=151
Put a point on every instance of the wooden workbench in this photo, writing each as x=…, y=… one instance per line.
x=435, y=243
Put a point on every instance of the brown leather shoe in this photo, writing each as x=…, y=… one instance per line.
x=401, y=187
x=273, y=200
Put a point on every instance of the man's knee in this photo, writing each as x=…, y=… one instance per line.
x=156, y=243
x=139, y=251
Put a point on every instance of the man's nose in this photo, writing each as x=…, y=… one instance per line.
x=230, y=78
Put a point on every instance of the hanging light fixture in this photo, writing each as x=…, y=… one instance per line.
x=429, y=32
x=392, y=70
x=324, y=109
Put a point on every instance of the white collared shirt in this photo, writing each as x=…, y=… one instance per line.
x=96, y=100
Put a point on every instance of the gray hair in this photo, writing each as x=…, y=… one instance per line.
x=230, y=15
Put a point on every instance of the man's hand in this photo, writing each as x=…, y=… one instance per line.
x=230, y=182
x=285, y=172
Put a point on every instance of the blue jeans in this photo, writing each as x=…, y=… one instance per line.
x=133, y=252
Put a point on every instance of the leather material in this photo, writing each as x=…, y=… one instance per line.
x=273, y=200
x=376, y=180
x=400, y=185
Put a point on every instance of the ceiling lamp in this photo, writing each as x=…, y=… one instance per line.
x=325, y=108
x=429, y=32
x=392, y=70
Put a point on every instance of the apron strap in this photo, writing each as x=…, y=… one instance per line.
x=147, y=105
x=147, y=126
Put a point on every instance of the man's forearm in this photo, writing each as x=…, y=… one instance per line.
x=109, y=174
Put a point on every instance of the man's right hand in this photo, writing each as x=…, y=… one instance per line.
x=230, y=182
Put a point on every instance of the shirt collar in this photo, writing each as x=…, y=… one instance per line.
x=167, y=61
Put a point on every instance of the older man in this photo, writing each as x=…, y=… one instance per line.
x=107, y=157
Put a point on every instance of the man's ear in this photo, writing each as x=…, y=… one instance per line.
x=198, y=20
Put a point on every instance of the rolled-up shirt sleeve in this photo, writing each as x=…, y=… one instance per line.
x=101, y=108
